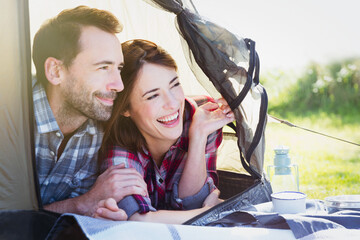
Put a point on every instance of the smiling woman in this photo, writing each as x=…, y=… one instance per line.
x=170, y=141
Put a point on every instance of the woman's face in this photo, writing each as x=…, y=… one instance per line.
x=157, y=104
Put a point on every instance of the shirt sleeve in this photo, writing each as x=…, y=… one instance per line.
x=196, y=201
x=134, y=203
x=84, y=178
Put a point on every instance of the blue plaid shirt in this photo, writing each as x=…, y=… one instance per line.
x=76, y=170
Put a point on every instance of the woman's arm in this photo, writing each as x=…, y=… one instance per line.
x=168, y=216
x=207, y=119
x=108, y=209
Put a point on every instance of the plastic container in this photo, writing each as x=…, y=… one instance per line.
x=283, y=175
x=342, y=202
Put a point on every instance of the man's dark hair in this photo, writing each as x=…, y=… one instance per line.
x=59, y=36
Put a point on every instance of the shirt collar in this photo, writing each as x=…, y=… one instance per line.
x=44, y=116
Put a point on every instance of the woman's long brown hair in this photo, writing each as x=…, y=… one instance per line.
x=121, y=130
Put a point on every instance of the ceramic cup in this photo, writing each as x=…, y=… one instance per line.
x=289, y=202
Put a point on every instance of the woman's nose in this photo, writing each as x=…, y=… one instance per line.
x=171, y=101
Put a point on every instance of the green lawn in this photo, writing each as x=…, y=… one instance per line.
x=327, y=167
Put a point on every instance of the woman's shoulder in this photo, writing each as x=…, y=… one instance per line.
x=117, y=154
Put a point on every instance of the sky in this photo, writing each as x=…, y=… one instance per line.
x=291, y=33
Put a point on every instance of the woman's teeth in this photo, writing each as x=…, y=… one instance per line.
x=169, y=118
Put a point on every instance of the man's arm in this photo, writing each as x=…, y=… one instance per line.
x=116, y=182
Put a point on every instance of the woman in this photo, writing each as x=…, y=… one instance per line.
x=164, y=136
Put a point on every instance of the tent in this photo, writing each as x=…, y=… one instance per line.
x=222, y=62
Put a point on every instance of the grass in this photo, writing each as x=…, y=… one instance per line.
x=324, y=98
x=327, y=167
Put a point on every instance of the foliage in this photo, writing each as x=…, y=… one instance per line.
x=332, y=88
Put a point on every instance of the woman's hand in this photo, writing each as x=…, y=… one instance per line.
x=210, y=117
x=108, y=209
x=212, y=199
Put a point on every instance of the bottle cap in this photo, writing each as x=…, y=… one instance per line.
x=281, y=156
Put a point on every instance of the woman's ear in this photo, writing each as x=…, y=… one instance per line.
x=126, y=113
x=53, y=70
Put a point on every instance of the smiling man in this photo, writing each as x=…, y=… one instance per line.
x=78, y=60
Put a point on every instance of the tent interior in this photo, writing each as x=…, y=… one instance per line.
x=19, y=21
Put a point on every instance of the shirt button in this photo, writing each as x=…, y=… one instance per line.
x=75, y=182
x=58, y=134
x=52, y=153
x=46, y=182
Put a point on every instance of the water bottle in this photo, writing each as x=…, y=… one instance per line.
x=283, y=175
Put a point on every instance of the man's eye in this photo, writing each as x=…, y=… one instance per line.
x=152, y=97
x=104, y=67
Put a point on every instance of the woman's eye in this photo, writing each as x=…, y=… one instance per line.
x=176, y=84
x=152, y=97
x=104, y=67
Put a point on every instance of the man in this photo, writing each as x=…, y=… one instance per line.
x=78, y=60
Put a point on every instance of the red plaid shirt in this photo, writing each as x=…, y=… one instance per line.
x=162, y=182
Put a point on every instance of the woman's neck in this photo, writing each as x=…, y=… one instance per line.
x=158, y=149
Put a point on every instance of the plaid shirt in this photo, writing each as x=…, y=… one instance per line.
x=162, y=183
x=76, y=170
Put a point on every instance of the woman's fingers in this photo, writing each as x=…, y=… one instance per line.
x=108, y=209
x=224, y=106
x=210, y=106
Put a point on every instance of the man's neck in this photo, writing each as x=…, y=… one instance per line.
x=69, y=123
x=68, y=120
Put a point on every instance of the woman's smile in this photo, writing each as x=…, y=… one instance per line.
x=170, y=120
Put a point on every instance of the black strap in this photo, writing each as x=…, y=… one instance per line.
x=254, y=64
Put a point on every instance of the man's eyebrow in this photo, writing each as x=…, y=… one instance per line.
x=107, y=62
x=104, y=62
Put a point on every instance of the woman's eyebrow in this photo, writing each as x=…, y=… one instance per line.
x=150, y=91
x=173, y=80
x=156, y=89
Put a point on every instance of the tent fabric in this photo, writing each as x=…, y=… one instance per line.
x=217, y=55
x=315, y=219
x=17, y=184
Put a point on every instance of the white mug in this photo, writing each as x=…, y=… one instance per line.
x=289, y=202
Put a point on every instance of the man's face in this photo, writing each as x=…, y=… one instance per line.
x=92, y=80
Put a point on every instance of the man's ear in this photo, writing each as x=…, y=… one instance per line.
x=53, y=70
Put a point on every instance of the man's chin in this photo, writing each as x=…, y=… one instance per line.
x=100, y=115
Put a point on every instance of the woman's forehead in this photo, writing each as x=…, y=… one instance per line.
x=155, y=75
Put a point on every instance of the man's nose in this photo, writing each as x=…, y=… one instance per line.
x=116, y=84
